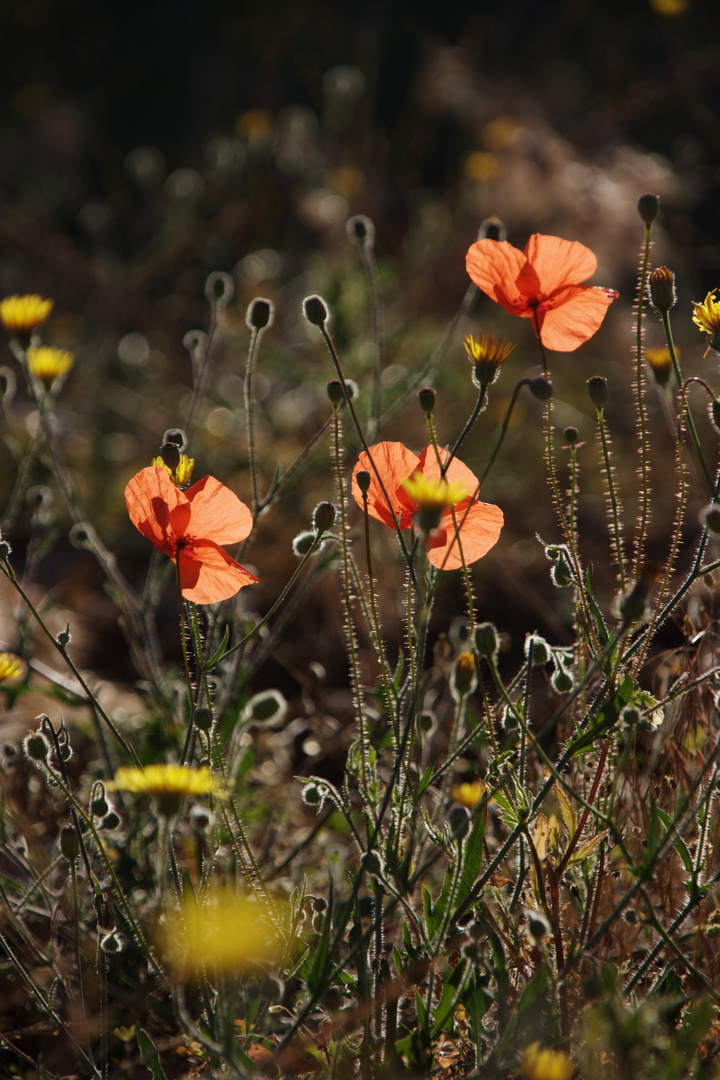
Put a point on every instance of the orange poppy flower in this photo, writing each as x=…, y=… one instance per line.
x=543, y=283
x=479, y=524
x=188, y=527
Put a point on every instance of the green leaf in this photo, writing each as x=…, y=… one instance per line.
x=679, y=843
x=605, y=719
x=320, y=964
x=149, y=1055
x=218, y=654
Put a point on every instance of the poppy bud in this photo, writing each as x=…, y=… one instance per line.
x=324, y=517
x=335, y=392
x=561, y=572
x=63, y=638
x=710, y=517
x=571, y=435
x=486, y=640
x=492, y=228
x=260, y=314
x=69, y=843
x=303, y=542
x=537, y=926
x=363, y=479
x=426, y=722
x=272, y=989
x=598, y=390
x=562, y=680
x=267, y=705
x=426, y=397
x=111, y=820
x=630, y=716
x=312, y=795
x=202, y=718
x=36, y=746
x=315, y=309
x=662, y=289
x=177, y=436
x=714, y=416
x=201, y=818
x=99, y=805
x=219, y=288
x=362, y=229
x=5, y=551
x=541, y=388
x=648, y=207
x=111, y=943
x=170, y=455
x=373, y=863
x=459, y=822
x=536, y=650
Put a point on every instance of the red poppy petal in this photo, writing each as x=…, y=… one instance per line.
x=208, y=574
x=565, y=328
x=479, y=530
x=151, y=499
x=559, y=262
x=393, y=463
x=458, y=472
x=216, y=513
x=494, y=266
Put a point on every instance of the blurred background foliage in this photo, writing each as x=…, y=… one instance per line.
x=145, y=145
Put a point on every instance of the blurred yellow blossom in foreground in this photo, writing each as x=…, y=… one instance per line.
x=168, y=784
x=223, y=930
x=540, y=1064
x=47, y=363
x=11, y=667
x=20, y=315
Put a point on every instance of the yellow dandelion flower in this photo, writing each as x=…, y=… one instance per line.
x=47, y=363
x=182, y=473
x=538, y=1064
x=11, y=667
x=707, y=317
x=487, y=355
x=468, y=794
x=168, y=784
x=222, y=930
x=660, y=363
x=434, y=492
x=21, y=315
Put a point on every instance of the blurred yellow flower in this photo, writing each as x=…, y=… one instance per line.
x=47, y=363
x=168, y=784
x=20, y=315
x=184, y=471
x=540, y=1064
x=431, y=493
x=468, y=794
x=487, y=355
x=660, y=363
x=481, y=166
x=222, y=930
x=11, y=667
x=670, y=7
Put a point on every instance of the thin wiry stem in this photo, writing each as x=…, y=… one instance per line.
x=642, y=410
x=616, y=519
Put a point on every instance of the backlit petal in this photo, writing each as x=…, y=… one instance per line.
x=566, y=327
x=457, y=473
x=559, y=262
x=494, y=266
x=151, y=499
x=479, y=530
x=216, y=513
x=208, y=574
x=393, y=463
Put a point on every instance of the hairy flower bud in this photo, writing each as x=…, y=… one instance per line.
x=598, y=390
x=36, y=746
x=492, y=228
x=335, y=392
x=648, y=207
x=363, y=479
x=464, y=676
x=426, y=397
x=537, y=650
x=69, y=843
x=486, y=640
x=662, y=289
x=541, y=388
x=260, y=313
x=170, y=454
x=459, y=821
x=315, y=309
x=202, y=718
x=715, y=414
x=710, y=517
x=324, y=517
x=571, y=435
x=362, y=229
